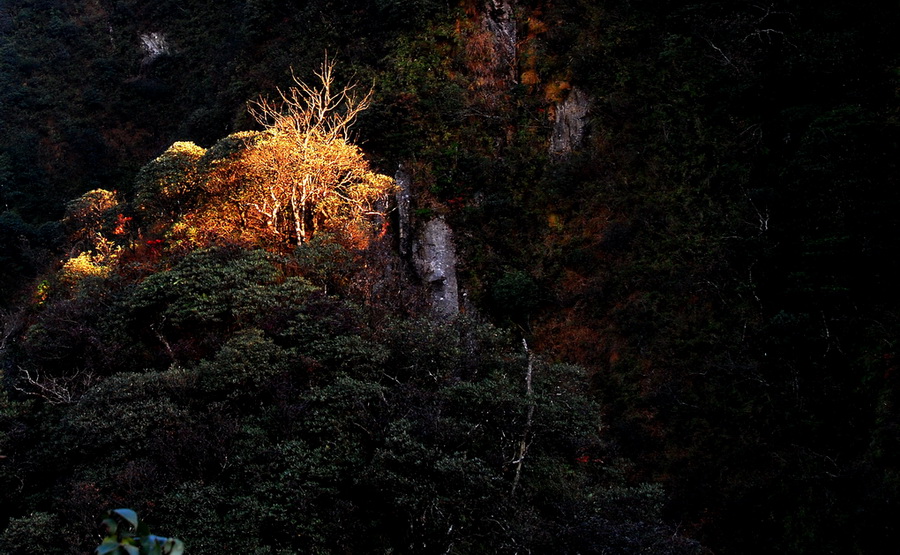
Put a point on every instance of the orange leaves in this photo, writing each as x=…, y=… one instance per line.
x=274, y=191
x=276, y=188
x=314, y=179
x=121, y=222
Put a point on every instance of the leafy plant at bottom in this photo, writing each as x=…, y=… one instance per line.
x=127, y=535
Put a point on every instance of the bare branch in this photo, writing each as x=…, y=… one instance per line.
x=523, y=443
x=313, y=173
x=61, y=390
x=724, y=56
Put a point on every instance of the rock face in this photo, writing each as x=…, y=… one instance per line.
x=500, y=21
x=430, y=250
x=403, y=196
x=434, y=258
x=153, y=45
x=570, y=122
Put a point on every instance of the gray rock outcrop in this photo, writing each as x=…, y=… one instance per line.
x=570, y=122
x=154, y=45
x=500, y=21
x=403, y=197
x=434, y=259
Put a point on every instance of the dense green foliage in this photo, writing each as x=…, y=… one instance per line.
x=717, y=257
x=244, y=405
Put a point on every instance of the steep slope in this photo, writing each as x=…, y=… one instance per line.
x=274, y=401
x=694, y=202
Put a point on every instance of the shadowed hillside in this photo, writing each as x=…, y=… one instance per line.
x=686, y=211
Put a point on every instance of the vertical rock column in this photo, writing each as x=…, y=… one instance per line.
x=431, y=250
x=570, y=122
x=434, y=258
x=404, y=198
x=500, y=21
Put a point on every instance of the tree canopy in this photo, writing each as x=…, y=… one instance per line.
x=220, y=314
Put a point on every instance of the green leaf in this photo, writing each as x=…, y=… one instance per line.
x=111, y=525
x=128, y=515
x=173, y=546
x=143, y=530
x=109, y=545
x=152, y=544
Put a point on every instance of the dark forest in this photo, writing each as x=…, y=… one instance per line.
x=443, y=276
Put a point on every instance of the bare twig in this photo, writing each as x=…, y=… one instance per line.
x=523, y=443
x=61, y=390
x=314, y=173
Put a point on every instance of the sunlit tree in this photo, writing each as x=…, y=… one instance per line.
x=309, y=177
x=299, y=176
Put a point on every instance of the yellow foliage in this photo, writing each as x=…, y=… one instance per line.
x=94, y=263
x=529, y=77
x=186, y=148
x=41, y=292
x=82, y=266
x=90, y=214
x=279, y=187
x=555, y=90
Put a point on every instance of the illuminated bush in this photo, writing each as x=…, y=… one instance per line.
x=91, y=216
x=278, y=188
x=167, y=186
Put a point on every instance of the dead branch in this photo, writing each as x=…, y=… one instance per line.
x=523, y=443
x=60, y=390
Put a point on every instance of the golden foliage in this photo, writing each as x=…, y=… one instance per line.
x=308, y=176
x=279, y=187
x=81, y=266
x=89, y=215
x=97, y=262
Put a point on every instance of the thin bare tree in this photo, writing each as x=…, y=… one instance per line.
x=312, y=176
